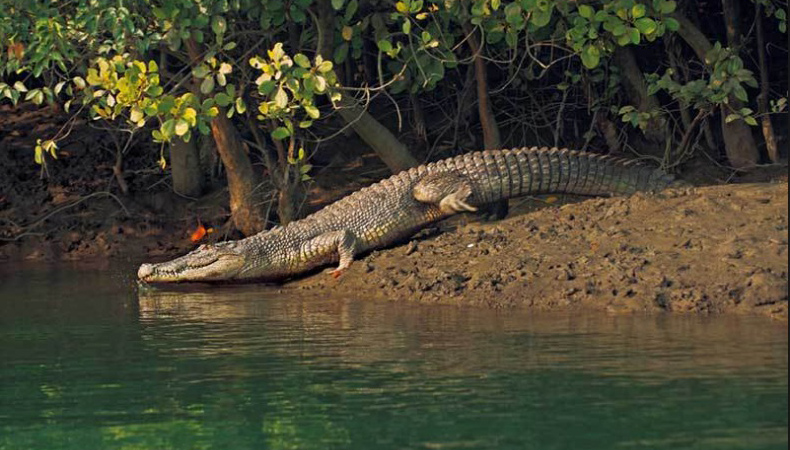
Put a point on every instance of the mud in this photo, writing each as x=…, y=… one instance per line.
x=717, y=249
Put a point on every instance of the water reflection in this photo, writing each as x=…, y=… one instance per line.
x=85, y=362
x=364, y=332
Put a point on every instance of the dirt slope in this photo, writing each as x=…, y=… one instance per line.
x=709, y=250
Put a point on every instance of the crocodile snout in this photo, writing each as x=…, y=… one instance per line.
x=145, y=271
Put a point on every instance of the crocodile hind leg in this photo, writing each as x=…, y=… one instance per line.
x=342, y=243
x=447, y=189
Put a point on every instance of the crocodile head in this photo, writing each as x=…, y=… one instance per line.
x=219, y=262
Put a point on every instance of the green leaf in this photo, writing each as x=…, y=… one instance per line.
x=297, y=13
x=219, y=25
x=302, y=60
x=586, y=11
x=634, y=36
x=646, y=25
x=312, y=111
x=337, y=4
x=750, y=120
x=638, y=11
x=168, y=129
x=511, y=38
x=341, y=53
x=207, y=86
x=512, y=10
x=280, y=133
x=166, y=104
x=652, y=88
x=540, y=18
x=351, y=9
x=223, y=99
x=241, y=107
x=619, y=29
x=266, y=87
x=672, y=24
x=668, y=6
x=325, y=66
x=740, y=93
x=591, y=56
x=384, y=45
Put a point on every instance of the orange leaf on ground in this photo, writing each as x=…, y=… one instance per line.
x=198, y=234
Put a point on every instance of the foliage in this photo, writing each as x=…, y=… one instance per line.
x=174, y=65
x=288, y=88
x=726, y=79
x=618, y=23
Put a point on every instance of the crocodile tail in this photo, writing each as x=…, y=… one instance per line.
x=502, y=174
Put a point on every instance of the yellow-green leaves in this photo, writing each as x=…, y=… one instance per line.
x=287, y=87
x=302, y=60
x=281, y=98
x=42, y=147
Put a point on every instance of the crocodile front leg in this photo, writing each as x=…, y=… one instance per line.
x=449, y=190
x=342, y=243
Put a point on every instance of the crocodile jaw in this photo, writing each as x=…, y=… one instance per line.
x=207, y=263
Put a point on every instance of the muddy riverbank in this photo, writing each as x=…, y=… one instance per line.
x=700, y=250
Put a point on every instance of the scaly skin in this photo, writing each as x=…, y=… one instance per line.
x=395, y=208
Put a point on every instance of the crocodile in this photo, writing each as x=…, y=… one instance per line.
x=392, y=210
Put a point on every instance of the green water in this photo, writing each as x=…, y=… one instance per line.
x=86, y=363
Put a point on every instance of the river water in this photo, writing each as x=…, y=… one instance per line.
x=87, y=362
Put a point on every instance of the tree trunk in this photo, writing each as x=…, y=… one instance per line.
x=394, y=154
x=762, y=99
x=491, y=137
x=185, y=167
x=246, y=215
x=392, y=151
x=739, y=143
x=636, y=89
